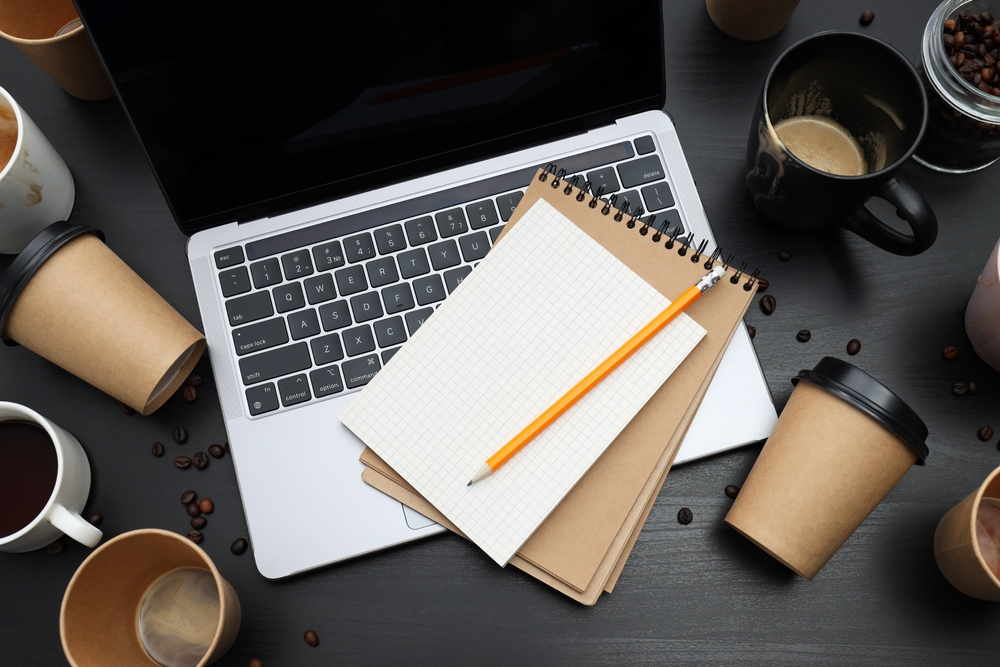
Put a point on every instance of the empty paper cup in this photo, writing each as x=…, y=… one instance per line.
x=982, y=315
x=967, y=555
x=842, y=442
x=69, y=299
x=130, y=594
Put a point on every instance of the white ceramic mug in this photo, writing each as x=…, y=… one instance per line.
x=36, y=188
x=61, y=514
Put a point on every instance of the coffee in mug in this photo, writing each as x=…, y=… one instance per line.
x=8, y=135
x=822, y=143
x=28, y=473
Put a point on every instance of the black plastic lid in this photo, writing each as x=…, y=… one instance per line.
x=24, y=266
x=871, y=397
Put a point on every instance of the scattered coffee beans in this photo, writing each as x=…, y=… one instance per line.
x=182, y=461
x=256, y=663
x=752, y=331
x=190, y=393
x=194, y=509
x=157, y=449
x=853, y=346
x=803, y=336
x=768, y=304
x=198, y=522
x=206, y=505
x=732, y=490
x=950, y=352
x=311, y=638
x=56, y=547
x=95, y=519
x=195, y=536
x=762, y=284
x=959, y=389
x=180, y=434
x=200, y=460
x=126, y=409
x=867, y=17
x=217, y=451
x=784, y=255
x=239, y=547
x=188, y=497
x=193, y=380
x=973, y=387
x=986, y=433
x=684, y=516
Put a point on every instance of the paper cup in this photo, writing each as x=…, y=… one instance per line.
x=98, y=619
x=750, y=20
x=956, y=548
x=68, y=298
x=840, y=445
x=982, y=315
x=51, y=34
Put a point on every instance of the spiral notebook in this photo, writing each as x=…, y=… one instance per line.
x=581, y=548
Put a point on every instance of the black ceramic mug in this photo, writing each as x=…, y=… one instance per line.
x=874, y=93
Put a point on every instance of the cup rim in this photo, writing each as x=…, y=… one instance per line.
x=826, y=34
x=44, y=40
x=19, y=143
x=972, y=526
x=220, y=584
x=38, y=420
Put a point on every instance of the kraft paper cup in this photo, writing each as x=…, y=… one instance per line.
x=956, y=547
x=98, y=619
x=69, y=299
x=751, y=20
x=982, y=315
x=51, y=34
x=840, y=445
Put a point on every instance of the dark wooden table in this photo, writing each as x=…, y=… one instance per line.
x=690, y=595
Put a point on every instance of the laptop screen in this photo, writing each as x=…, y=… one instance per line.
x=249, y=108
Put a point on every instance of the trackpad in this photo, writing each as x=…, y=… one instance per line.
x=415, y=520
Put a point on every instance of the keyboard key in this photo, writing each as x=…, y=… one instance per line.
x=382, y=271
x=474, y=246
x=451, y=223
x=335, y=315
x=390, y=239
x=326, y=349
x=669, y=221
x=328, y=256
x=360, y=371
x=228, y=257
x=454, y=278
x=421, y=231
x=644, y=145
x=604, y=177
x=630, y=196
x=235, y=281
x=259, y=337
x=294, y=390
x=390, y=331
x=249, y=308
x=657, y=197
x=494, y=233
x=266, y=273
x=366, y=307
x=275, y=363
x=444, y=255
x=326, y=381
x=320, y=289
x=643, y=170
x=428, y=290
x=351, y=280
x=507, y=204
x=389, y=354
x=297, y=264
x=482, y=214
x=413, y=263
x=262, y=399
x=397, y=298
x=416, y=319
x=359, y=247
x=303, y=324
x=288, y=297
x=358, y=340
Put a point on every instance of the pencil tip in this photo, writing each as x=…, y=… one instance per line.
x=470, y=483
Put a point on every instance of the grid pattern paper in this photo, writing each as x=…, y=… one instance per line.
x=544, y=308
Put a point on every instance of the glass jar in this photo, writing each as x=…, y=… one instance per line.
x=963, y=126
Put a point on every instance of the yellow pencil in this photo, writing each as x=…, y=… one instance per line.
x=595, y=376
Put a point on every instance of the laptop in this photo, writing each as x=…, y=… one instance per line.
x=340, y=168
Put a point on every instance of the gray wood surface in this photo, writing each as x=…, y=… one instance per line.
x=690, y=595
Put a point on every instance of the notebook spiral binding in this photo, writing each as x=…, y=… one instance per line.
x=635, y=218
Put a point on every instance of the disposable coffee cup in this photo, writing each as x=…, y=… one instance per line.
x=956, y=545
x=751, y=20
x=840, y=445
x=102, y=610
x=51, y=34
x=70, y=299
x=982, y=315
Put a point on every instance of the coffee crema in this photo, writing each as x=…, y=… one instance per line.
x=823, y=144
x=8, y=135
x=28, y=469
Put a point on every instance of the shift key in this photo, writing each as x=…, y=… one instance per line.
x=275, y=363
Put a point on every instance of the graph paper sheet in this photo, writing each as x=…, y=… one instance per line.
x=544, y=308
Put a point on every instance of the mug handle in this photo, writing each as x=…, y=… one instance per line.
x=75, y=526
x=923, y=223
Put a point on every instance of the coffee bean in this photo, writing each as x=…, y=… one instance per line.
x=768, y=304
x=239, y=547
x=853, y=346
x=195, y=536
x=732, y=490
x=762, y=284
x=256, y=663
x=56, y=547
x=950, y=352
x=188, y=497
x=182, y=461
x=193, y=380
x=973, y=387
x=200, y=460
x=190, y=393
x=949, y=26
x=959, y=389
x=194, y=509
x=217, y=451
x=180, y=434
x=803, y=336
x=752, y=331
x=311, y=638
x=95, y=519
x=206, y=505
x=126, y=409
x=867, y=17
x=198, y=522
x=784, y=255
x=684, y=516
x=157, y=449
x=986, y=433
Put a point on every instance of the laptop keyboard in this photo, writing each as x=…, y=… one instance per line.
x=314, y=313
